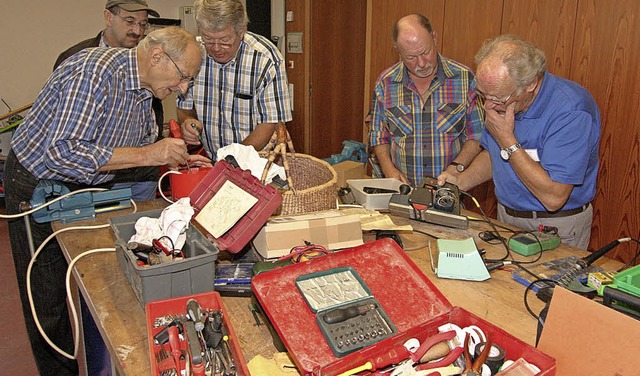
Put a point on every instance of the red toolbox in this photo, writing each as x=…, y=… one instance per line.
x=415, y=307
x=268, y=200
x=160, y=311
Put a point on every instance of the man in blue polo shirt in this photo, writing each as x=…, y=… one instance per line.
x=541, y=147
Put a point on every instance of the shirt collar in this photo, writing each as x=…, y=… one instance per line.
x=443, y=72
x=103, y=41
x=133, y=78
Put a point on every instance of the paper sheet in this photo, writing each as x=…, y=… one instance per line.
x=225, y=209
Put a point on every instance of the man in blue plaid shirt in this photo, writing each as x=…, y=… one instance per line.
x=92, y=118
x=242, y=91
x=425, y=116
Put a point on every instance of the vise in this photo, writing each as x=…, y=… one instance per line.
x=79, y=206
x=351, y=151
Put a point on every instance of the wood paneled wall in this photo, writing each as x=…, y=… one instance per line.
x=591, y=42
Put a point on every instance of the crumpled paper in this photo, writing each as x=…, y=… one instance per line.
x=249, y=159
x=172, y=224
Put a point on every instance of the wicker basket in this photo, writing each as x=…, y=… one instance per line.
x=315, y=182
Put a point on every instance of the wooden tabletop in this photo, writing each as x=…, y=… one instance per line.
x=121, y=318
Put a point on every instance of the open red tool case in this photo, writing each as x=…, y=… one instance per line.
x=410, y=300
x=162, y=310
x=248, y=226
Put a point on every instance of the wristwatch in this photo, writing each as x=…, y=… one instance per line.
x=459, y=166
x=505, y=153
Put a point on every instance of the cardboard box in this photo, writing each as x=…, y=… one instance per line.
x=331, y=229
x=587, y=338
x=411, y=301
x=349, y=170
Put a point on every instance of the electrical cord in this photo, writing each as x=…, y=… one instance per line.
x=160, y=185
x=493, y=226
x=37, y=253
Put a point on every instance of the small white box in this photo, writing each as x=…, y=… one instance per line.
x=374, y=201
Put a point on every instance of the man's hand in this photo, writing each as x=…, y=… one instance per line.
x=198, y=160
x=191, y=129
x=168, y=151
x=447, y=177
x=501, y=125
x=396, y=174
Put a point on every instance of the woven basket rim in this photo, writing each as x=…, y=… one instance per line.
x=334, y=174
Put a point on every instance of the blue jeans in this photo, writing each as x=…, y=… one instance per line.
x=47, y=277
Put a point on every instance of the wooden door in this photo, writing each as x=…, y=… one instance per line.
x=338, y=29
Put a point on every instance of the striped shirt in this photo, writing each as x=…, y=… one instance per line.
x=231, y=99
x=425, y=138
x=91, y=104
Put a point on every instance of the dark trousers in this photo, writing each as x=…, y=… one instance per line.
x=47, y=277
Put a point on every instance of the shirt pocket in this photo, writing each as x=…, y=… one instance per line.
x=450, y=118
x=243, y=104
x=400, y=120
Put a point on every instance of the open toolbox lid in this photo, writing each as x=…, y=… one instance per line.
x=412, y=302
x=267, y=201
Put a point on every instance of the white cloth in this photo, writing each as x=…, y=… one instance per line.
x=173, y=223
x=249, y=159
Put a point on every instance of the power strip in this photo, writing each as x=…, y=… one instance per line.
x=530, y=243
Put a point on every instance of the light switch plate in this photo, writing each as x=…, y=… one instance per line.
x=294, y=43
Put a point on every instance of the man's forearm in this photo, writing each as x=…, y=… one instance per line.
x=260, y=136
x=470, y=149
x=478, y=172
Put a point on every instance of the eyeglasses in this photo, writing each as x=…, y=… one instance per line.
x=495, y=100
x=222, y=44
x=131, y=22
x=183, y=77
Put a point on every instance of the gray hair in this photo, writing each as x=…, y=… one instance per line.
x=173, y=41
x=523, y=60
x=217, y=15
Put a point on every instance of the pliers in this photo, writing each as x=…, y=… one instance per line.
x=406, y=367
x=475, y=368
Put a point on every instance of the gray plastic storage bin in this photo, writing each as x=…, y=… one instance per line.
x=195, y=274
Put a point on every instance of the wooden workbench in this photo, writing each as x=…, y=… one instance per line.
x=121, y=318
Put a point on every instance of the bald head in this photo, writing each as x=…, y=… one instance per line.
x=411, y=24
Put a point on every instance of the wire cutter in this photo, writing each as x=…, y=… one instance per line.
x=441, y=366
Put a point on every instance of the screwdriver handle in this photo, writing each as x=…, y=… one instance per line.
x=174, y=129
x=174, y=343
x=342, y=314
x=195, y=314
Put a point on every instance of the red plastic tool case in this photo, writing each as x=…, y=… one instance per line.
x=412, y=302
x=177, y=306
x=248, y=226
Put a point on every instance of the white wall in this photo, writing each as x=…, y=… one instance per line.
x=34, y=32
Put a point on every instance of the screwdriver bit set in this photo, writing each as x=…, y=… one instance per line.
x=349, y=317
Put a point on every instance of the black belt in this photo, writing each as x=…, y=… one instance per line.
x=539, y=214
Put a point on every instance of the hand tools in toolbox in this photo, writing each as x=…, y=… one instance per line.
x=410, y=300
x=193, y=333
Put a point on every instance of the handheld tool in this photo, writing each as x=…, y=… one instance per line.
x=343, y=314
x=175, y=131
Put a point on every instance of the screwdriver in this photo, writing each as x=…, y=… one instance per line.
x=342, y=314
x=174, y=129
